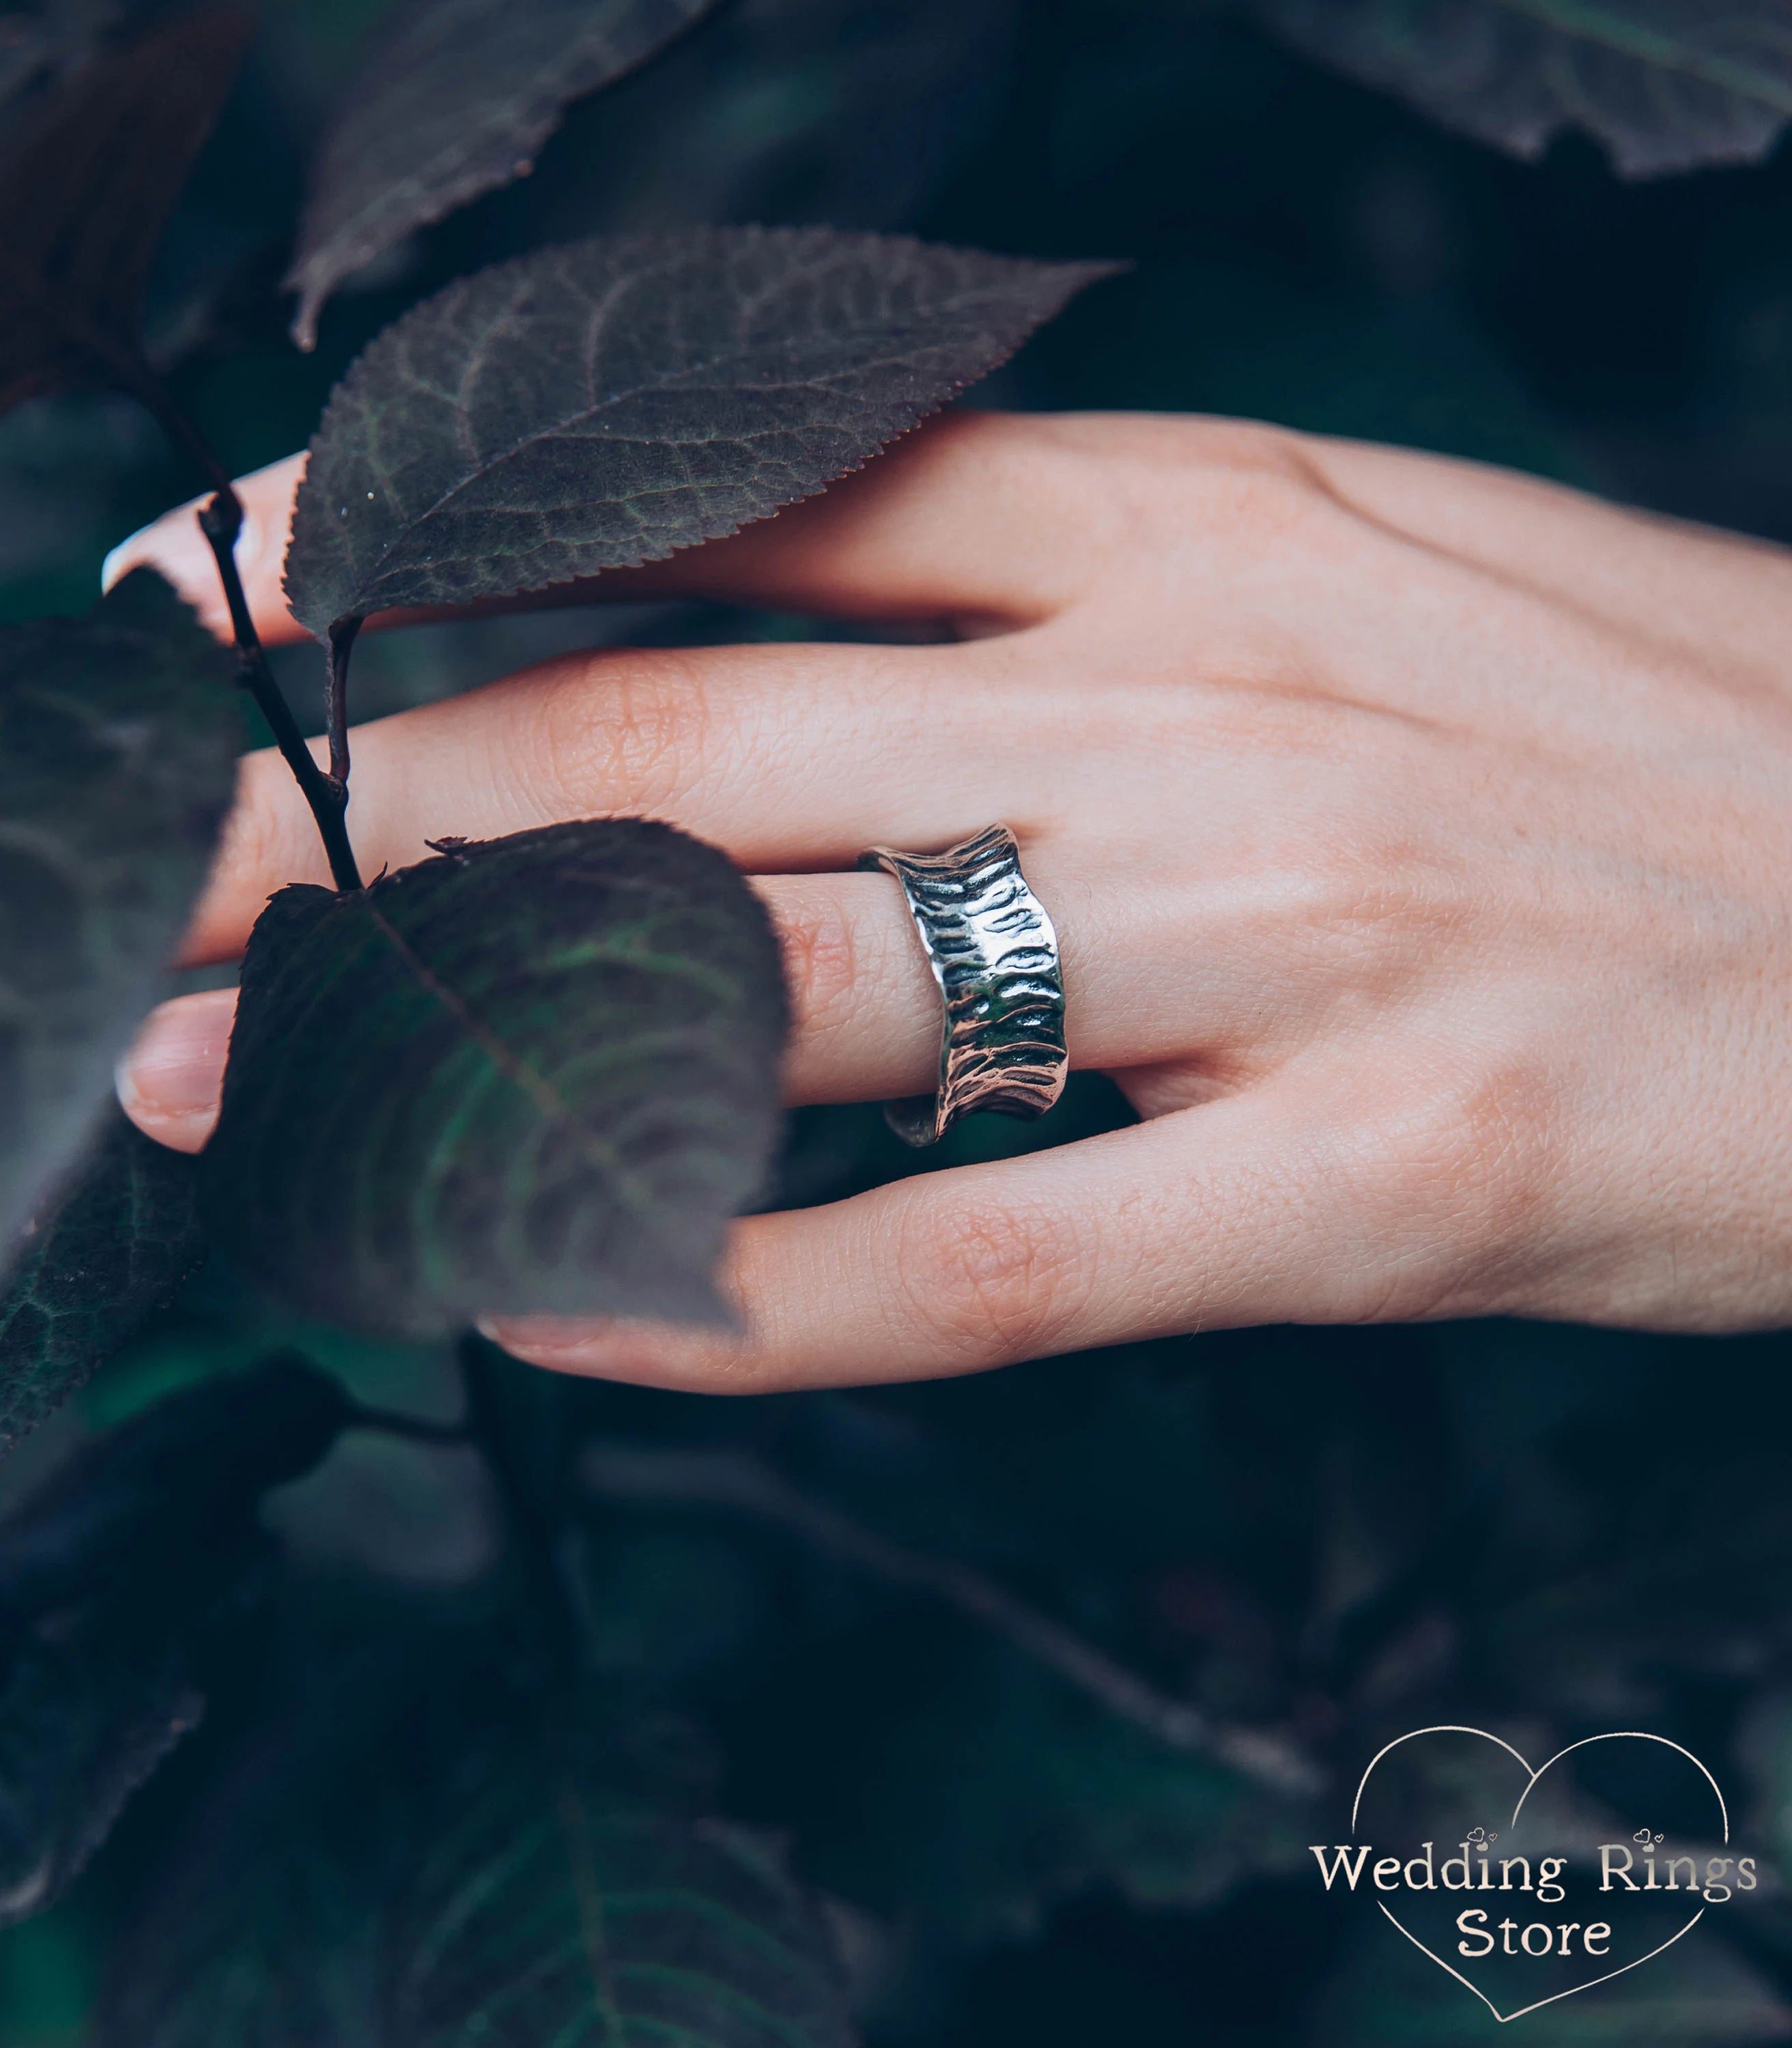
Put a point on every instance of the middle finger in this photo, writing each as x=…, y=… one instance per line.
x=788, y=758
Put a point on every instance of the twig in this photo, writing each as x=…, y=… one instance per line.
x=729, y=1480
x=335, y=703
x=220, y=520
x=416, y=1429
x=528, y=1471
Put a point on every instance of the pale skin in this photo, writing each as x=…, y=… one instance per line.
x=1419, y=838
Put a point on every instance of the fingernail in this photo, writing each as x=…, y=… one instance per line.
x=607, y=1350
x=171, y=1080
x=541, y=1336
x=174, y=545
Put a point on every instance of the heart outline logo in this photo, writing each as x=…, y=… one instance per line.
x=1611, y=1734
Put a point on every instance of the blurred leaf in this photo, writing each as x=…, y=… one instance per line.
x=1667, y=85
x=179, y=1482
x=663, y=1603
x=100, y=1259
x=537, y=1074
x=119, y=736
x=606, y=403
x=393, y=1509
x=496, y=1896
x=596, y=1925
x=86, y=1714
x=109, y=1579
x=1003, y=1792
x=41, y=45
x=1686, y=1579
x=847, y=112
x=1764, y=1745
x=456, y=99
x=85, y=191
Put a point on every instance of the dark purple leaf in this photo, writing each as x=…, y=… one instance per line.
x=455, y=100
x=1667, y=85
x=85, y=187
x=118, y=739
x=94, y=1264
x=538, y=1074
x=611, y=402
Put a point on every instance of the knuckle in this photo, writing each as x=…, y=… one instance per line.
x=990, y=1287
x=1264, y=486
x=1219, y=476
x=1465, y=1190
x=622, y=733
x=1378, y=904
x=1173, y=441
x=1274, y=496
x=1503, y=1120
x=989, y=432
x=1391, y=929
x=821, y=966
x=1257, y=448
x=264, y=824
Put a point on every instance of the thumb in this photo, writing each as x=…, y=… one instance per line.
x=172, y=1080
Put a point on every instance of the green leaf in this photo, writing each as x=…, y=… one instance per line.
x=606, y=403
x=119, y=735
x=112, y=1578
x=85, y=187
x=495, y=1895
x=1667, y=85
x=537, y=1074
x=110, y=1250
x=591, y=1924
x=454, y=101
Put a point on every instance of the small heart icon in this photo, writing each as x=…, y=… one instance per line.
x=1513, y=1890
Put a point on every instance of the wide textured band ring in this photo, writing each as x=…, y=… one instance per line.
x=994, y=953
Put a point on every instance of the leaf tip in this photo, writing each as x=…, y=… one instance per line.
x=304, y=329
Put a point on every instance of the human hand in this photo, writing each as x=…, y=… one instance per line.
x=1418, y=837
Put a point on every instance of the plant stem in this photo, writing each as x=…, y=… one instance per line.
x=220, y=520
x=525, y=1457
x=335, y=711
x=414, y=1428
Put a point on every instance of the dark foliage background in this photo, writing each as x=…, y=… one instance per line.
x=1340, y=1535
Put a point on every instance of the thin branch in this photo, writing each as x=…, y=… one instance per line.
x=729, y=1480
x=336, y=703
x=416, y=1428
x=121, y=365
x=532, y=1496
x=220, y=520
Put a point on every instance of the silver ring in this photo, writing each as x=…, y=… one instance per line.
x=990, y=944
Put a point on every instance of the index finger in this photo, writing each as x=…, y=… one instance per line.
x=983, y=517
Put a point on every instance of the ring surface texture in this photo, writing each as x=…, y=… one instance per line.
x=989, y=942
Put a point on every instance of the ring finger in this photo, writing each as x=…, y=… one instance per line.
x=866, y=1009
